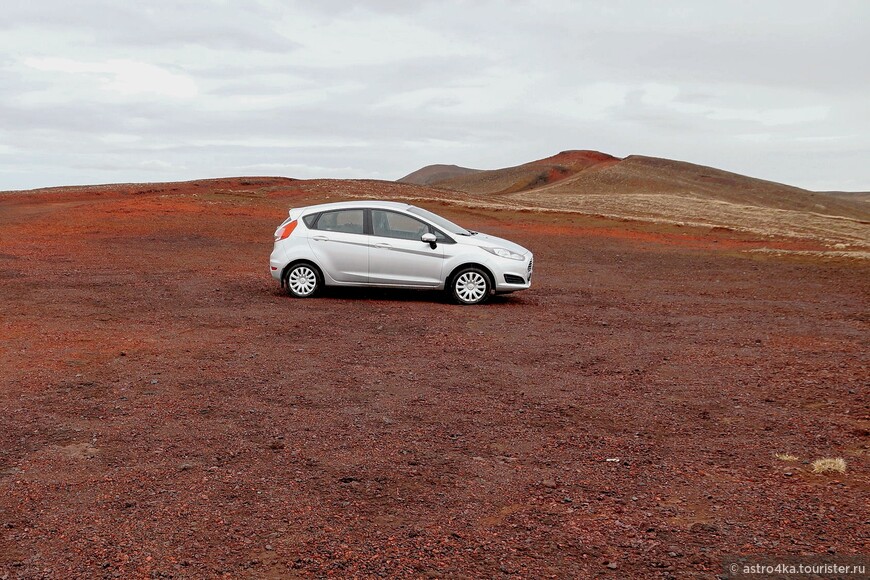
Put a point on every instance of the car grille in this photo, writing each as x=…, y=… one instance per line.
x=511, y=279
x=530, y=265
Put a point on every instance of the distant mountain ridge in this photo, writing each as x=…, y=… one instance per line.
x=579, y=177
x=436, y=174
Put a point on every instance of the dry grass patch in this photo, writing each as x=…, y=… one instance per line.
x=786, y=456
x=829, y=464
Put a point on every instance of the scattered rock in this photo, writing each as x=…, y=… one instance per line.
x=79, y=451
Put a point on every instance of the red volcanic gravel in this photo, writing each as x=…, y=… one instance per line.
x=167, y=412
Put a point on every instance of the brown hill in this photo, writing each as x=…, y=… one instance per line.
x=593, y=173
x=528, y=176
x=639, y=189
x=668, y=191
x=436, y=173
x=861, y=196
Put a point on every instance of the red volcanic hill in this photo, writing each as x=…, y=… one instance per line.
x=585, y=176
x=637, y=188
x=512, y=179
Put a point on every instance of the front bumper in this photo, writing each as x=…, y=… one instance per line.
x=516, y=277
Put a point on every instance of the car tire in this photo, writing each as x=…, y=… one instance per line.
x=303, y=280
x=470, y=286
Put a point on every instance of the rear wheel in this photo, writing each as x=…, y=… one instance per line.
x=470, y=286
x=303, y=280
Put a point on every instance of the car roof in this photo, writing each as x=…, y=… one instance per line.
x=369, y=203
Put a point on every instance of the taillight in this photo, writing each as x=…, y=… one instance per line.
x=284, y=231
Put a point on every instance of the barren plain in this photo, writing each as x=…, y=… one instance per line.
x=168, y=412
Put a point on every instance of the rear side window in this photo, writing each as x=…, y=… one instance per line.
x=348, y=221
x=310, y=219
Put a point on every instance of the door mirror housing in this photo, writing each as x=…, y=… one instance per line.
x=429, y=238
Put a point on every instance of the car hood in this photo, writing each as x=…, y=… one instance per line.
x=486, y=241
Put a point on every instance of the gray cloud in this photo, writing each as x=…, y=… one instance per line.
x=98, y=91
x=155, y=24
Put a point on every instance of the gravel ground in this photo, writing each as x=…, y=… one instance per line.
x=168, y=412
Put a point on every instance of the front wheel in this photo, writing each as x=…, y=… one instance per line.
x=303, y=280
x=470, y=286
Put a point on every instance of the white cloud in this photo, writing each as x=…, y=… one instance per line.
x=157, y=165
x=366, y=38
x=301, y=170
x=771, y=117
x=280, y=143
x=125, y=77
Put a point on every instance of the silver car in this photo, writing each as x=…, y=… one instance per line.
x=396, y=245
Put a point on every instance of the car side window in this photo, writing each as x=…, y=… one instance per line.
x=348, y=221
x=390, y=224
x=310, y=219
x=440, y=237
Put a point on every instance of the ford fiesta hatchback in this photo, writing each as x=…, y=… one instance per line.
x=395, y=245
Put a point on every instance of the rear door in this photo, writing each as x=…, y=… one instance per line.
x=341, y=246
x=397, y=255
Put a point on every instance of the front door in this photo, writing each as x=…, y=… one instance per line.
x=397, y=255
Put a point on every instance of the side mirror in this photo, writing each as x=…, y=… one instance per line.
x=429, y=238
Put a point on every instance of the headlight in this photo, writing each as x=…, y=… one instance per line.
x=502, y=253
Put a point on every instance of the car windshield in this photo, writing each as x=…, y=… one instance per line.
x=440, y=221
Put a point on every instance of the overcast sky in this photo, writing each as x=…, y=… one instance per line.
x=103, y=91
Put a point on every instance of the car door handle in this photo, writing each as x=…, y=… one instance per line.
x=382, y=245
x=320, y=238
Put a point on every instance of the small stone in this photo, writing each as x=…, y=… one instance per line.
x=269, y=547
x=154, y=381
x=612, y=565
x=549, y=483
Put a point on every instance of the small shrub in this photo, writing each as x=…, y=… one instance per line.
x=827, y=464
